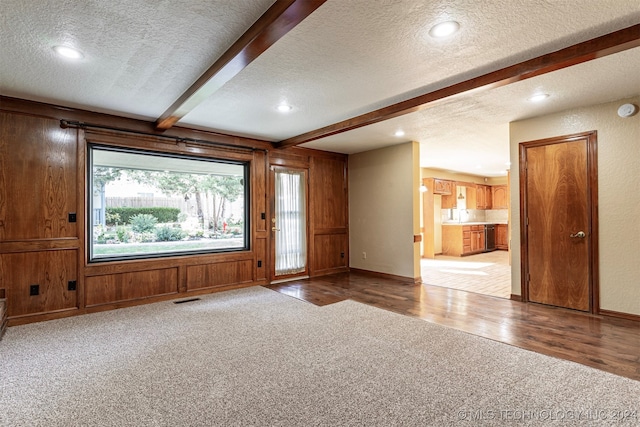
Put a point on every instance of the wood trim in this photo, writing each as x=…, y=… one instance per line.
x=277, y=21
x=289, y=162
x=608, y=44
x=417, y=238
x=524, y=253
x=311, y=152
x=37, y=245
x=163, y=145
x=592, y=200
x=594, y=252
x=329, y=271
x=412, y=280
x=620, y=315
x=515, y=297
x=148, y=264
x=83, y=193
x=3, y=313
x=327, y=231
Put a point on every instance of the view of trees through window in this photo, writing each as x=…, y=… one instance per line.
x=149, y=205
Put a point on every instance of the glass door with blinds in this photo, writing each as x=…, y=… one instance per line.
x=289, y=222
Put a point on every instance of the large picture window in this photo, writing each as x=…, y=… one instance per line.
x=150, y=204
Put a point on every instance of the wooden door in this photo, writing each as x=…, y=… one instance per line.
x=559, y=221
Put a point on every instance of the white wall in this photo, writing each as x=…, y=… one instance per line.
x=384, y=210
x=618, y=195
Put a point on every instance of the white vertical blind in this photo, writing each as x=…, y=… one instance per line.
x=291, y=237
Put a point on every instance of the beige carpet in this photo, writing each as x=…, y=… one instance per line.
x=257, y=357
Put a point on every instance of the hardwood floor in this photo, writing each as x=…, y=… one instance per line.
x=605, y=343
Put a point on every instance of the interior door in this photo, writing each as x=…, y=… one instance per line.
x=558, y=179
x=289, y=223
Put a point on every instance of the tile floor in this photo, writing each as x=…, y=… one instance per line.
x=488, y=273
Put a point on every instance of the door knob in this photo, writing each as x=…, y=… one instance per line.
x=275, y=229
x=579, y=234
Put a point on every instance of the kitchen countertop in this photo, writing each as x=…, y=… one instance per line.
x=473, y=223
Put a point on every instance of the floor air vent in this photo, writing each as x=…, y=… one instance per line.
x=186, y=300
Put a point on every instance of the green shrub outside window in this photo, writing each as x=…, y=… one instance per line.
x=147, y=204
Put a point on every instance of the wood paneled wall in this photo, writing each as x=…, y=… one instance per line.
x=43, y=180
x=329, y=214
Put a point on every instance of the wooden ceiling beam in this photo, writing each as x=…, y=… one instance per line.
x=608, y=44
x=277, y=21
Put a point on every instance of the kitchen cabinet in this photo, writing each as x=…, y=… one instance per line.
x=477, y=239
x=467, y=190
x=442, y=186
x=471, y=197
x=449, y=201
x=500, y=197
x=483, y=196
x=502, y=237
x=460, y=240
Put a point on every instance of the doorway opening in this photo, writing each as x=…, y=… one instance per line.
x=465, y=229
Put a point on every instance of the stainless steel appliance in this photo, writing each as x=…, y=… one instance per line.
x=490, y=237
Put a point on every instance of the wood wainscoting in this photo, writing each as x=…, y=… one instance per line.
x=44, y=265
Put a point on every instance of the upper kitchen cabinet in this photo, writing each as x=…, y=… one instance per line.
x=500, y=197
x=449, y=202
x=463, y=197
x=483, y=197
x=442, y=186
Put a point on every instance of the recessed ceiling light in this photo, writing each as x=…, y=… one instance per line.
x=399, y=133
x=284, y=108
x=68, y=52
x=444, y=29
x=539, y=97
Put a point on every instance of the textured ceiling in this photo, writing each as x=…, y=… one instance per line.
x=139, y=55
x=471, y=133
x=347, y=58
